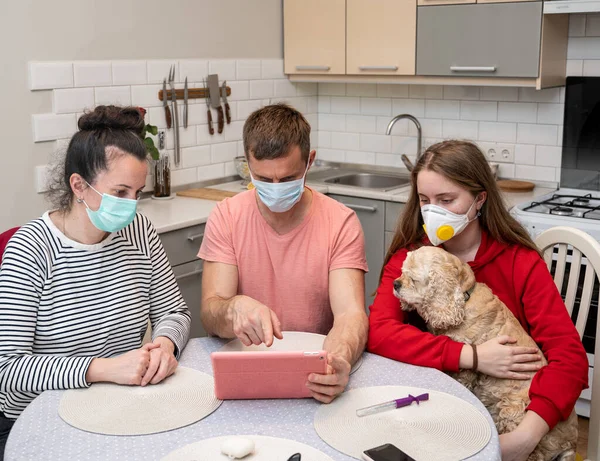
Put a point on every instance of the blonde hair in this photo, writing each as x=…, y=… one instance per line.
x=465, y=165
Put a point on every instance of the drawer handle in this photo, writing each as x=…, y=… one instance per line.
x=189, y=274
x=191, y=238
x=472, y=69
x=392, y=68
x=321, y=68
x=371, y=209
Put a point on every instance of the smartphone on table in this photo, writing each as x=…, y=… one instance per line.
x=386, y=452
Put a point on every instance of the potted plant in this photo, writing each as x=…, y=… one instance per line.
x=160, y=163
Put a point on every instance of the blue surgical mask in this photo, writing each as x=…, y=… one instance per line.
x=114, y=213
x=281, y=196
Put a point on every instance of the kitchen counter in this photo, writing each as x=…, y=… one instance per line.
x=180, y=212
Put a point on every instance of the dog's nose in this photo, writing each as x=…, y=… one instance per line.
x=397, y=285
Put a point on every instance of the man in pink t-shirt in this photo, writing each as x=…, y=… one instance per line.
x=285, y=257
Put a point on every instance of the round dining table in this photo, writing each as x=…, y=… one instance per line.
x=40, y=434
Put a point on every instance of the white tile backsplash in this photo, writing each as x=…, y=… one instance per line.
x=260, y=89
x=442, y=109
x=129, y=73
x=49, y=127
x=226, y=68
x=345, y=105
x=272, y=68
x=497, y=131
x=460, y=129
x=517, y=112
x=537, y=134
x=591, y=67
x=72, y=100
x=348, y=120
x=361, y=89
x=392, y=91
x=92, y=73
x=551, y=114
x=499, y=93
x=375, y=143
x=146, y=95
x=415, y=107
x=195, y=156
x=376, y=106
x=248, y=70
x=50, y=75
x=115, y=95
x=194, y=69
x=525, y=154
x=479, y=110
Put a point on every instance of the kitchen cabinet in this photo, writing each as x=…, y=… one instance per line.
x=499, y=39
x=371, y=214
x=381, y=37
x=182, y=246
x=458, y=42
x=378, y=219
x=315, y=36
x=443, y=2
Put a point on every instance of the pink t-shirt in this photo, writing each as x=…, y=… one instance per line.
x=288, y=273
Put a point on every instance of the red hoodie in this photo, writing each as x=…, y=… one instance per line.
x=520, y=278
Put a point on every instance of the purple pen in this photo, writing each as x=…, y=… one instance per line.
x=391, y=405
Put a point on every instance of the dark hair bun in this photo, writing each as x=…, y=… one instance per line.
x=112, y=117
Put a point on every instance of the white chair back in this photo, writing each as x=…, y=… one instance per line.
x=583, y=248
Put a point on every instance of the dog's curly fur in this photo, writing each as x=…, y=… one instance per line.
x=433, y=283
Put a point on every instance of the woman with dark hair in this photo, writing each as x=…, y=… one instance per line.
x=79, y=284
x=455, y=202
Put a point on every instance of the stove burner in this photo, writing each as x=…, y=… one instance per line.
x=581, y=201
x=562, y=211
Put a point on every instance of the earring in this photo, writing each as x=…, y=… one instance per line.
x=79, y=200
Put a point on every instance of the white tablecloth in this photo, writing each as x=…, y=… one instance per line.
x=39, y=433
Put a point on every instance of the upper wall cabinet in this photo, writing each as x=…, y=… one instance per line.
x=460, y=2
x=444, y=2
x=315, y=36
x=381, y=37
x=499, y=40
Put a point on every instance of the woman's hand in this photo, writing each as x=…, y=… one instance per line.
x=162, y=361
x=520, y=443
x=128, y=368
x=496, y=358
x=516, y=445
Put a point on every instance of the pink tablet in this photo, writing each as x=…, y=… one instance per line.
x=265, y=374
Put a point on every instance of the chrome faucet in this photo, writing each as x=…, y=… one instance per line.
x=405, y=159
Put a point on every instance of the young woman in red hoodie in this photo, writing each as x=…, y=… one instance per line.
x=454, y=194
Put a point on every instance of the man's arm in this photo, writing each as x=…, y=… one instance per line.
x=226, y=314
x=348, y=337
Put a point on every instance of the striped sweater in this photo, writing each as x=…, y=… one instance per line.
x=63, y=303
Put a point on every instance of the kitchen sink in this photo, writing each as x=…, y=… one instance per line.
x=369, y=180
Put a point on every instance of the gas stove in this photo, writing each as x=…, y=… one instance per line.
x=564, y=207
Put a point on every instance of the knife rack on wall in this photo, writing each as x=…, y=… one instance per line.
x=193, y=93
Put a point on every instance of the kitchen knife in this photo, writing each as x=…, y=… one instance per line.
x=224, y=96
x=211, y=130
x=185, y=104
x=166, y=104
x=215, y=99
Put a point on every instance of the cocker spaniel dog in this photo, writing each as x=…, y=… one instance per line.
x=443, y=291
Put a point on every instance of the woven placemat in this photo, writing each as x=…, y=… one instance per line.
x=183, y=398
x=265, y=449
x=292, y=341
x=442, y=428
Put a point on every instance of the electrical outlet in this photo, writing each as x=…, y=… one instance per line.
x=505, y=153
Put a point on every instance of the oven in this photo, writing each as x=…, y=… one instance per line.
x=573, y=208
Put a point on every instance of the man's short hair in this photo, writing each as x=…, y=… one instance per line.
x=273, y=131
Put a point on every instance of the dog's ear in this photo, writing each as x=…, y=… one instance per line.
x=445, y=306
x=465, y=275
